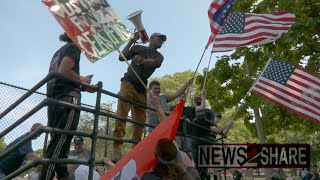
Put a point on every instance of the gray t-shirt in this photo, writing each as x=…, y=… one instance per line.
x=85, y=154
x=153, y=118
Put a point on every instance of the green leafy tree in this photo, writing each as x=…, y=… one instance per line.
x=105, y=127
x=231, y=77
x=2, y=144
x=171, y=83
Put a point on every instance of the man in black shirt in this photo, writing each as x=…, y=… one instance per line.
x=145, y=60
x=65, y=61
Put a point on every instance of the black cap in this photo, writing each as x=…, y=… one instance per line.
x=161, y=36
x=78, y=140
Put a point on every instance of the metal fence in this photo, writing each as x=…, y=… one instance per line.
x=20, y=108
x=9, y=94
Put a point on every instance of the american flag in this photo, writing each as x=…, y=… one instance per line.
x=243, y=29
x=293, y=88
x=218, y=13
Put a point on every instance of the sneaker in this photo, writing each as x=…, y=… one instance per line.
x=116, y=155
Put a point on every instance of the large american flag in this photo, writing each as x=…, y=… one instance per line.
x=243, y=29
x=218, y=13
x=293, y=88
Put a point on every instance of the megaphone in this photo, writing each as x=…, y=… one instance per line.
x=135, y=18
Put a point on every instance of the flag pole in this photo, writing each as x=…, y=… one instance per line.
x=199, y=63
x=194, y=74
x=243, y=100
x=135, y=73
x=205, y=78
x=260, y=74
x=126, y=60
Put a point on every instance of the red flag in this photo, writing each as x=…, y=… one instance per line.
x=218, y=13
x=142, y=157
x=293, y=88
x=243, y=29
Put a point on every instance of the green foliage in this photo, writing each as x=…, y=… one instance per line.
x=171, y=83
x=232, y=76
x=106, y=126
x=2, y=144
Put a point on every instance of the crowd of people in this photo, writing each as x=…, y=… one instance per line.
x=176, y=159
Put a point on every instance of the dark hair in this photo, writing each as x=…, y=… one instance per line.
x=65, y=38
x=166, y=150
x=173, y=171
x=197, y=99
x=152, y=83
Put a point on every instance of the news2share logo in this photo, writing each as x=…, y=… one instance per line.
x=254, y=155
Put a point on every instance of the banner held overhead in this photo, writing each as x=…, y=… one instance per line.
x=92, y=25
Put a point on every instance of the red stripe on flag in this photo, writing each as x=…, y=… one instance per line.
x=254, y=28
x=245, y=38
x=303, y=92
x=302, y=110
x=313, y=78
x=288, y=94
x=288, y=108
x=284, y=100
x=255, y=41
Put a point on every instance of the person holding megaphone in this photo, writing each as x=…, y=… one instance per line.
x=144, y=61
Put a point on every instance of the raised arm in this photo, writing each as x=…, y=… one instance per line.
x=155, y=101
x=125, y=51
x=203, y=101
x=230, y=124
x=180, y=91
x=223, y=130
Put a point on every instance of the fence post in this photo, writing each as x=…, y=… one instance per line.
x=95, y=131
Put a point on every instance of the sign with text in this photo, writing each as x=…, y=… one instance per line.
x=91, y=24
x=254, y=155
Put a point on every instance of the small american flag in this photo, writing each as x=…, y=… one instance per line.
x=243, y=29
x=218, y=13
x=293, y=88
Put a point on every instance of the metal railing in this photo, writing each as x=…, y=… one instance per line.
x=96, y=110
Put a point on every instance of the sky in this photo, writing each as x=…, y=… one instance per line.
x=29, y=38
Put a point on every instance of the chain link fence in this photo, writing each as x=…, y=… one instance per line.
x=11, y=93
